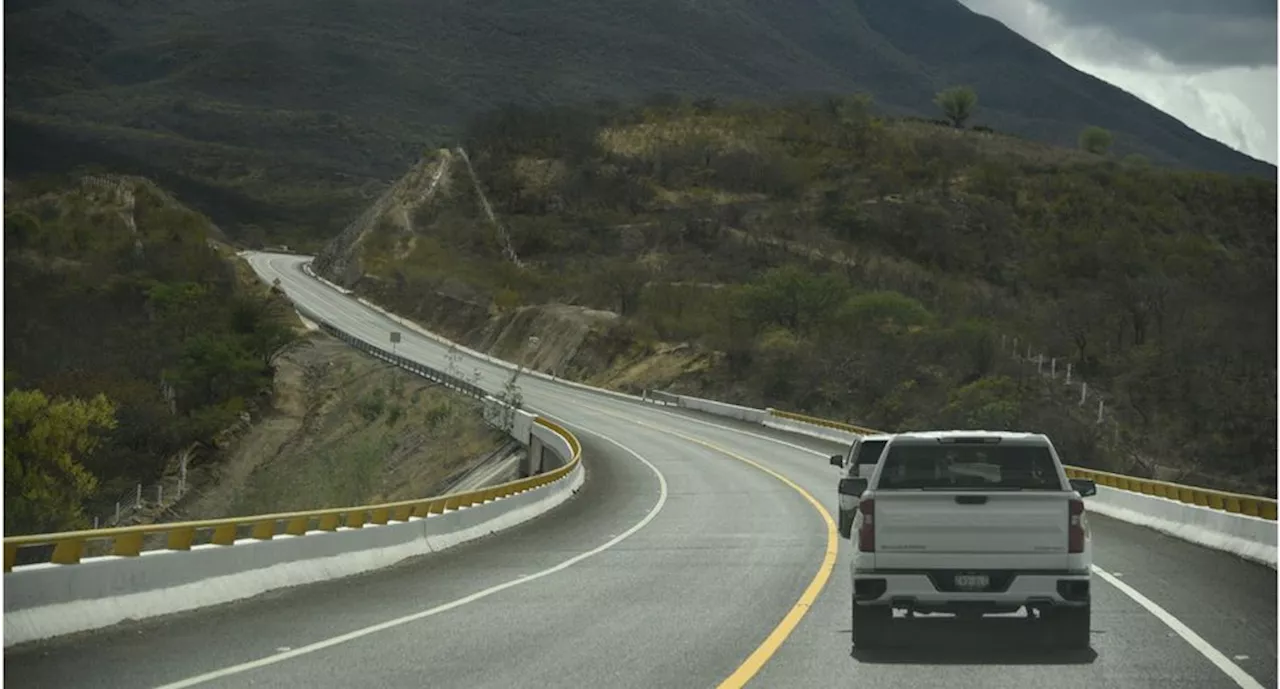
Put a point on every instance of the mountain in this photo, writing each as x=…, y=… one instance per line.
x=282, y=118
x=889, y=272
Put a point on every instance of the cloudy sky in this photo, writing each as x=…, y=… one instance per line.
x=1209, y=63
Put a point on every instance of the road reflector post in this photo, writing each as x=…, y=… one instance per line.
x=128, y=544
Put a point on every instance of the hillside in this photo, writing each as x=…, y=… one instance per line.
x=115, y=289
x=282, y=119
x=821, y=259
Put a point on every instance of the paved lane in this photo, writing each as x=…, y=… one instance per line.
x=726, y=552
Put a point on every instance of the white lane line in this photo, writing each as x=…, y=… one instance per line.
x=1197, y=642
x=383, y=626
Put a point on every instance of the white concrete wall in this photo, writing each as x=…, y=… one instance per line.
x=43, y=601
x=1252, y=538
x=732, y=411
x=558, y=450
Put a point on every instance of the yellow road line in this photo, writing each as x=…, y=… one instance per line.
x=754, y=662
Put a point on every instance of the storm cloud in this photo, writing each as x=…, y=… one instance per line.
x=1209, y=63
x=1190, y=33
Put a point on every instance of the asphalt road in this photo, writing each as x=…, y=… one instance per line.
x=693, y=540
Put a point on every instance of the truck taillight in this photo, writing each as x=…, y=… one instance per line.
x=1076, y=526
x=867, y=534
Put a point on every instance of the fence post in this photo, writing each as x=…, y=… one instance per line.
x=1068, y=373
x=1053, y=368
x=95, y=522
x=160, y=494
x=1084, y=390
x=117, y=521
x=137, y=501
x=1039, y=364
x=1100, y=403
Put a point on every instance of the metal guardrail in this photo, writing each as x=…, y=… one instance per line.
x=826, y=423
x=69, y=547
x=1234, y=503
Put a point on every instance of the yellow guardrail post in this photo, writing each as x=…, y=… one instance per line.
x=128, y=545
x=263, y=529
x=67, y=551
x=224, y=534
x=297, y=526
x=181, y=538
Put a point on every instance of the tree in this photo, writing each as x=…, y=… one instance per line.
x=46, y=442
x=794, y=298
x=987, y=403
x=885, y=311
x=625, y=281
x=957, y=104
x=1095, y=140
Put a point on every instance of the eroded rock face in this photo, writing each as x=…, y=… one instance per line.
x=340, y=260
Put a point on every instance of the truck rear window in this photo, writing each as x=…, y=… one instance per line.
x=960, y=467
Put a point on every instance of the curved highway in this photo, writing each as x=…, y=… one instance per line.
x=700, y=551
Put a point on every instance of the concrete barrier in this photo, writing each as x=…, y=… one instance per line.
x=1252, y=538
x=556, y=448
x=732, y=411
x=47, y=600
x=835, y=435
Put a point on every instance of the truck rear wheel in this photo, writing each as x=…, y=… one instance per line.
x=870, y=625
x=1071, y=626
x=846, y=524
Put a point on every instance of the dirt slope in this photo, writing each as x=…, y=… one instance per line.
x=344, y=429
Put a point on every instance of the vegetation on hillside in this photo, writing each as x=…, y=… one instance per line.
x=129, y=335
x=281, y=119
x=873, y=269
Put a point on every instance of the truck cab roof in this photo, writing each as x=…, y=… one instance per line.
x=973, y=437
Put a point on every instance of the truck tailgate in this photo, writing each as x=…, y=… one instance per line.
x=913, y=527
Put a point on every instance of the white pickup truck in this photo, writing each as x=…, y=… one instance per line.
x=970, y=523
x=859, y=460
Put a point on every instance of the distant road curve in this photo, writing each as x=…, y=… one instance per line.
x=694, y=559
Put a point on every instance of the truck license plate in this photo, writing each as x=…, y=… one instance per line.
x=972, y=582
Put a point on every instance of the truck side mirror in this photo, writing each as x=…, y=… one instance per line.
x=837, y=460
x=1084, y=487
